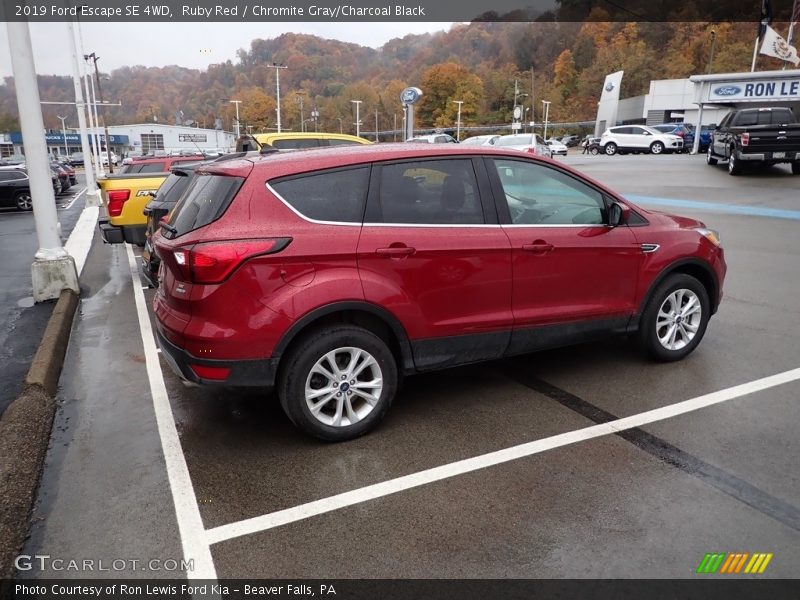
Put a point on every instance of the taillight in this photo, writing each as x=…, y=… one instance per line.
x=745, y=139
x=116, y=201
x=213, y=262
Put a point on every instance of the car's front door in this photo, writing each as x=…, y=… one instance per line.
x=573, y=274
x=432, y=254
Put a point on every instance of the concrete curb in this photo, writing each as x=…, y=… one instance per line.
x=25, y=433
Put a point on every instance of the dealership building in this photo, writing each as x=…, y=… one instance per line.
x=699, y=100
x=144, y=137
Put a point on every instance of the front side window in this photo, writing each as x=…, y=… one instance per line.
x=432, y=192
x=540, y=195
x=337, y=196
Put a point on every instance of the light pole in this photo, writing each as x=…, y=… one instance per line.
x=358, y=118
x=64, y=134
x=315, y=117
x=546, y=111
x=277, y=68
x=237, y=103
x=95, y=58
x=340, y=124
x=458, y=119
x=95, y=125
x=713, y=43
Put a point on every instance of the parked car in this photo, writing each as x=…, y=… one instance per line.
x=15, y=188
x=434, y=138
x=284, y=271
x=73, y=177
x=480, y=140
x=682, y=130
x=532, y=143
x=706, y=135
x=639, y=138
x=131, y=156
x=63, y=176
x=296, y=140
x=76, y=159
x=556, y=147
x=756, y=136
x=570, y=141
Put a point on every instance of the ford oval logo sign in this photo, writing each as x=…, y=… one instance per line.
x=727, y=90
x=610, y=86
x=410, y=95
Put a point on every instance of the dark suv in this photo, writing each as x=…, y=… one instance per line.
x=331, y=274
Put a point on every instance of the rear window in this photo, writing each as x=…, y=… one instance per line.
x=173, y=187
x=206, y=200
x=295, y=144
x=337, y=196
x=156, y=167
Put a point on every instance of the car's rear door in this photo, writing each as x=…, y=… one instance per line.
x=432, y=254
x=573, y=274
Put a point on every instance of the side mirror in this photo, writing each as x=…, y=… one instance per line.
x=617, y=214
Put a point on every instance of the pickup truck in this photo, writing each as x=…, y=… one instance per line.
x=125, y=194
x=756, y=136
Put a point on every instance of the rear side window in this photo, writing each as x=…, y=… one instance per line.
x=339, y=143
x=205, y=201
x=430, y=192
x=337, y=196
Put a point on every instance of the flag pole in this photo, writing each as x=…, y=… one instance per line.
x=755, y=55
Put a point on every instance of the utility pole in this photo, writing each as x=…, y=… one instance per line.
x=237, y=103
x=458, y=120
x=64, y=134
x=53, y=269
x=358, y=118
x=299, y=95
x=315, y=117
x=98, y=164
x=277, y=68
x=376, y=126
x=105, y=126
x=78, y=73
x=546, y=115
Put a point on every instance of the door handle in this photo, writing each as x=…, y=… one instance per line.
x=538, y=247
x=396, y=251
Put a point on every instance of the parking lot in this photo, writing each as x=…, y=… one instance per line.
x=523, y=468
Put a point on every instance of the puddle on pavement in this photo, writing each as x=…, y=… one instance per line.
x=26, y=302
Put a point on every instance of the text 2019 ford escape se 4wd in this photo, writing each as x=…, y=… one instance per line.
x=330, y=274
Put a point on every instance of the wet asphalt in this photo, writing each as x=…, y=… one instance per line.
x=649, y=502
x=22, y=322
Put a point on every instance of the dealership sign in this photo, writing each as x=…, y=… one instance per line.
x=754, y=90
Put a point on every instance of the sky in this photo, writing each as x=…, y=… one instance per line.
x=192, y=45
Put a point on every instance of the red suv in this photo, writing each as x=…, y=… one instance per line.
x=330, y=274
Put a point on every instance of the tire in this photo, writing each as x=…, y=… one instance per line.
x=656, y=148
x=710, y=159
x=610, y=148
x=796, y=168
x=734, y=165
x=594, y=151
x=302, y=375
x=23, y=201
x=671, y=325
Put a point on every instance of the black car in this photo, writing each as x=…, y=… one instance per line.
x=570, y=141
x=168, y=195
x=15, y=189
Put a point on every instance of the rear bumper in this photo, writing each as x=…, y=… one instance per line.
x=243, y=373
x=113, y=234
x=788, y=156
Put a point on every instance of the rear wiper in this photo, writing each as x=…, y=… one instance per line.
x=169, y=228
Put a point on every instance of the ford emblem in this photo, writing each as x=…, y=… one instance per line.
x=410, y=95
x=727, y=90
x=610, y=86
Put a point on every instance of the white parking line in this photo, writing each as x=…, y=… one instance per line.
x=392, y=486
x=74, y=198
x=187, y=511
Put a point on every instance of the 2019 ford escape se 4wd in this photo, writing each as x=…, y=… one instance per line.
x=331, y=274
